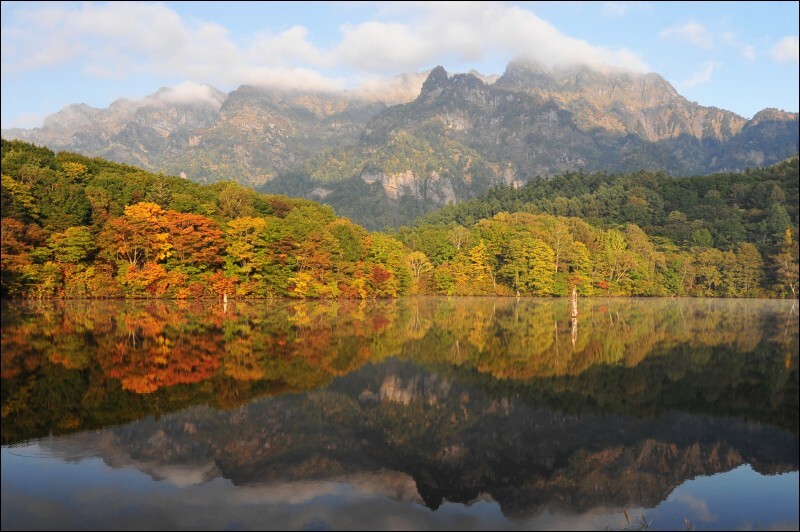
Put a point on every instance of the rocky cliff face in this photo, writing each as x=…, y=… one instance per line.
x=645, y=105
x=548, y=122
x=260, y=133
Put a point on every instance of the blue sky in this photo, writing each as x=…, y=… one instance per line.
x=740, y=56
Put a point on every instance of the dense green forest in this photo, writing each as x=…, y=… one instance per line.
x=75, y=227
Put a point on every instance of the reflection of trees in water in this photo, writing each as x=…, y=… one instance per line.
x=95, y=353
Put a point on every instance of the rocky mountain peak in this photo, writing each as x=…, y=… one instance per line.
x=469, y=81
x=76, y=114
x=435, y=84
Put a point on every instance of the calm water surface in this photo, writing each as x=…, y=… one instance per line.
x=411, y=414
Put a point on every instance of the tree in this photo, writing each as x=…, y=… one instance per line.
x=459, y=236
x=390, y=255
x=234, y=201
x=480, y=270
x=419, y=264
x=138, y=236
x=16, y=200
x=785, y=265
x=614, y=261
x=245, y=245
x=529, y=265
x=196, y=240
x=72, y=245
x=708, y=275
x=748, y=270
x=15, y=256
x=702, y=238
x=777, y=222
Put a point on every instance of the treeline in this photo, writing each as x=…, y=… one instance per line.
x=721, y=210
x=74, y=227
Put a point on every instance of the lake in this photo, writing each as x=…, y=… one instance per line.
x=429, y=413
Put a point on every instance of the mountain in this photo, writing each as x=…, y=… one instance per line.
x=461, y=134
x=248, y=135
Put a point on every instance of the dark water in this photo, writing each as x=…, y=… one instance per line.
x=410, y=414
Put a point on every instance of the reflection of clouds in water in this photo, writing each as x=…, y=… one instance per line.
x=772, y=526
x=597, y=519
x=391, y=484
x=382, y=500
x=782, y=526
x=294, y=505
x=698, y=508
x=179, y=475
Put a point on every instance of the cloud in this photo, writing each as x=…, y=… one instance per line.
x=187, y=92
x=699, y=507
x=617, y=9
x=461, y=31
x=746, y=51
x=703, y=75
x=620, y=9
x=691, y=33
x=288, y=48
x=383, y=47
x=121, y=40
x=399, y=89
x=786, y=50
x=25, y=120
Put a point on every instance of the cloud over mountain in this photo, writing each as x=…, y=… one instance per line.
x=119, y=40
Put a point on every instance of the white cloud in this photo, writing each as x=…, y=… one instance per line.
x=691, y=33
x=786, y=50
x=701, y=76
x=288, y=48
x=297, y=78
x=620, y=9
x=24, y=120
x=119, y=40
x=399, y=89
x=617, y=9
x=462, y=31
x=699, y=507
x=383, y=47
x=746, y=51
x=187, y=92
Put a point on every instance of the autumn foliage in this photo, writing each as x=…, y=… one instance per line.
x=74, y=227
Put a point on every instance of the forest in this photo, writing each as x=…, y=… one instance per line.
x=80, y=227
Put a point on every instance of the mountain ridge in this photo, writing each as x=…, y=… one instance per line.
x=458, y=137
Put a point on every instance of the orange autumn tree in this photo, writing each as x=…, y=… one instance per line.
x=138, y=236
x=196, y=241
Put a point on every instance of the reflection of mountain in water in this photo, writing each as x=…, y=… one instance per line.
x=421, y=436
x=427, y=399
